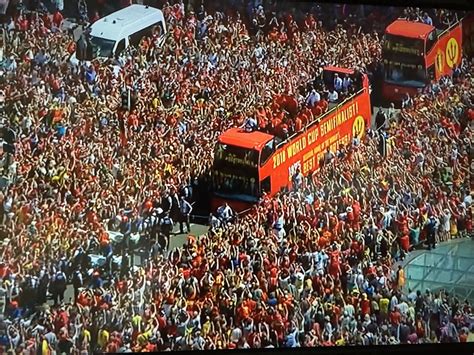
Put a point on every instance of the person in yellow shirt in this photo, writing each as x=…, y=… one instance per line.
x=384, y=302
x=142, y=339
x=103, y=338
x=206, y=327
x=45, y=349
x=341, y=341
x=137, y=322
x=155, y=103
x=86, y=339
x=454, y=228
x=400, y=277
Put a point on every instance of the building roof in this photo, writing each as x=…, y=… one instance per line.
x=240, y=138
x=130, y=19
x=450, y=267
x=409, y=29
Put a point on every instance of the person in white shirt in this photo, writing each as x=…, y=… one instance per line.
x=214, y=222
x=278, y=227
x=313, y=98
x=225, y=213
x=333, y=96
x=337, y=82
x=185, y=209
x=393, y=303
x=403, y=308
x=299, y=282
x=346, y=83
x=322, y=261
x=360, y=279
x=349, y=310
x=391, y=113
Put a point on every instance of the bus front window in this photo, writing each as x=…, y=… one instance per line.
x=405, y=74
x=235, y=173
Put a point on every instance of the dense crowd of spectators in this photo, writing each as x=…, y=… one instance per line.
x=311, y=267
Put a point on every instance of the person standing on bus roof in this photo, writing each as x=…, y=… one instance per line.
x=337, y=82
x=427, y=19
x=250, y=124
x=313, y=98
x=333, y=96
x=346, y=82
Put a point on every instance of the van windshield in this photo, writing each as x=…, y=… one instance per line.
x=102, y=47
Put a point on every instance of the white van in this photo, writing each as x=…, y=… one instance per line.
x=110, y=35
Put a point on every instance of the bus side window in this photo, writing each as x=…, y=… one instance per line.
x=430, y=41
x=266, y=185
x=266, y=152
x=120, y=47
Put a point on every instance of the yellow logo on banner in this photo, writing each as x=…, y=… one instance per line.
x=452, y=52
x=439, y=63
x=358, y=127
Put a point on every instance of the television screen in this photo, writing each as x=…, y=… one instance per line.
x=235, y=174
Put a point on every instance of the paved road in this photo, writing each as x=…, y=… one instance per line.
x=178, y=240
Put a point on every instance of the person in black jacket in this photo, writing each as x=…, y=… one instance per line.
x=380, y=120
x=77, y=282
x=58, y=287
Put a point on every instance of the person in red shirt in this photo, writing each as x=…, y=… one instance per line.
x=317, y=111
x=57, y=19
x=306, y=116
x=283, y=36
x=22, y=23
x=365, y=305
x=298, y=124
x=310, y=22
x=405, y=243
x=273, y=35
x=395, y=317
x=334, y=264
x=323, y=104
x=95, y=17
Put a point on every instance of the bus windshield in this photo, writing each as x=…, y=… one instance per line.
x=405, y=73
x=235, y=173
x=103, y=47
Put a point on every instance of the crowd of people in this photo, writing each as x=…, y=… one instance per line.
x=307, y=268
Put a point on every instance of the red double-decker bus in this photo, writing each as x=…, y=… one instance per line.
x=415, y=53
x=247, y=164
